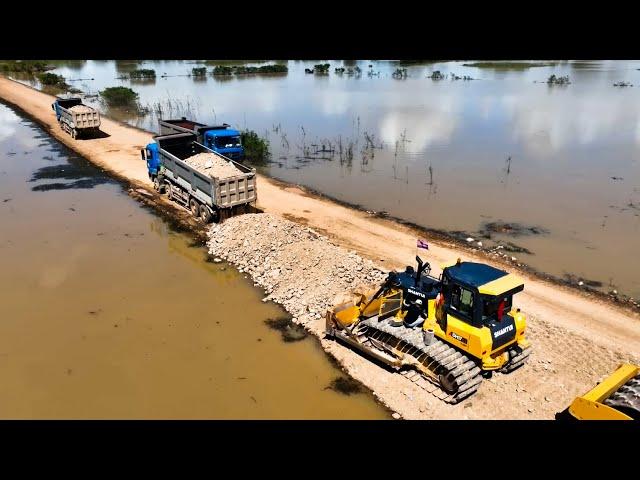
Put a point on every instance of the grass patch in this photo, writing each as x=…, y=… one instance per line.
x=119, y=97
x=256, y=149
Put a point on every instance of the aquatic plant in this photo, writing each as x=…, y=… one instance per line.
x=142, y=73
x=400, y=73
x=199, y=71
x=255, y=148
x=322, y=68
x=553, y=80
x=27, y=66
x=222, y=70
x=119, y=96
x=437, y=75
x=52, y=80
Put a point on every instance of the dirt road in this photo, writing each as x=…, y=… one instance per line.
x=576, y=339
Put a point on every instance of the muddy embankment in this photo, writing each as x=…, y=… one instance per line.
x=576, y=339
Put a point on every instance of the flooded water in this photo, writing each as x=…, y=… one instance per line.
x=452, y=155
x=108, y=313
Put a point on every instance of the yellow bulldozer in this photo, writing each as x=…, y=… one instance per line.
x=615, y=398
x=445, y=334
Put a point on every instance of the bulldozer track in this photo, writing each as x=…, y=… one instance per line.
x=432, y=363
x=627, y=398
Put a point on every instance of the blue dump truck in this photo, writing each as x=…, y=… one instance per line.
x=220, y=138
x=76, y=118
x=209, y=184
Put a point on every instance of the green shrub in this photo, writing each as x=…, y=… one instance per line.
x=142, y=73
x=119, y=96
x=321, y=68
x=275, y=68
x=199, y=71
x=52, y=80
x=28, y=66
x=553, y=80
x=255, y=148
x=222, y=70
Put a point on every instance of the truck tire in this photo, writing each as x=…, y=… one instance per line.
x=205, y=214
x=157, y=186
x=169, y=189
x=74, y=133
x=194, y=206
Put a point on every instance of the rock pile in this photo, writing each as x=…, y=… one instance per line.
x=298, y=268
x=81, y=109
x=212, y=165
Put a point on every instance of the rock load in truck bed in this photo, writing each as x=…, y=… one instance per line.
x=81, y=109
x=212, y=165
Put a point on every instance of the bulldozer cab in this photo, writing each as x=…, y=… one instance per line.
x=479, y=294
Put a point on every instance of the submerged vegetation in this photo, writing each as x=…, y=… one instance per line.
x=119, y=97
x=245, y=70
x=26, y=66
x=142, y=73
x=553, y=80
x=321, y=68
x=52, y=80
x=400, y=73
x=256, y=149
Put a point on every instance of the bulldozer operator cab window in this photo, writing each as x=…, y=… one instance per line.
x=495, y=308
x=462, y=301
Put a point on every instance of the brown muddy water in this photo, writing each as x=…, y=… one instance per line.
x=108, y=313
x=450, y=155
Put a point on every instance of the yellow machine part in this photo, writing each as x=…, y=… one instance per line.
x=590, y=407
x=475, y=341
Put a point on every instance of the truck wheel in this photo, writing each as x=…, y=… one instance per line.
x=74, y=133
x=205, y=214
x=169, y=189
x=156, y=184
x=195, y=208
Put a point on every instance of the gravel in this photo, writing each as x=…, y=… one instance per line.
x=212, y=165
x=297, y=267
x=81, y=109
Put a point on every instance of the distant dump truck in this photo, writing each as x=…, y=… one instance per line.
x=219, y=138
x=212, y=186
x=76, y=118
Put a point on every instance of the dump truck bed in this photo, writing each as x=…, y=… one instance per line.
x=216, y=192
x=77, y=115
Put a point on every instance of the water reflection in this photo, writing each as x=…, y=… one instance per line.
x=565, y=143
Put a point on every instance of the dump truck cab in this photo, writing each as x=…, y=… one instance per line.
x=151, y=156
x=224, y=140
